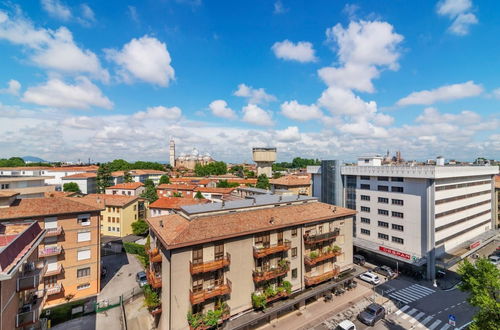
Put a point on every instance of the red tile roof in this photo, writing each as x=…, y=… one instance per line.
x=84, y=175
x=214, y=190
x=177, y=231
x=175, y=203
x=59, y=193
x=169, y=186
x=292, y=180
x=127, y=185
x=8, y=193
x=17, y=239
x=97, y=200
x=497, y=181
x=90, y=168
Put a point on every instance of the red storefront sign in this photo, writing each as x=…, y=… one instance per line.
x=394, y=252
x=474, y=245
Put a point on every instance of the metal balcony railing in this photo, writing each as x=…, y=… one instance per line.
x=52, y=232
x=316, y=279
x=317, y=238
x=31, y=276
x=49, y=251
x=54, y=289
x=205, y=294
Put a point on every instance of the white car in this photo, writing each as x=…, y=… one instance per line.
x=346, y=325
x=495, y=260
x=370, y=278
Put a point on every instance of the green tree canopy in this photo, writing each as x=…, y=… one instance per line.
x=164, y=179
x=150, y=192
x=262, y=182
x=12, y=162
x=297, y=162
x=123, y=165
x=215, y=168
x=104, y=178
x=226, y=184
x=199, y=195
x=127, y=177
x=71, y=186
x=482, y=281
x=140, y=227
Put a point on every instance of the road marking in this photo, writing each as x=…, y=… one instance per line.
x=414, y=319
x=400, y=297
x=425, y=288
x=426, y=320
x=434, y=325
x=410, y=313
x=446, y=326
x=452, y=306
x=447, y=308
x=399, y=311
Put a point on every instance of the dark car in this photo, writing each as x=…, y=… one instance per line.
x=358, y=259
x=372, y=314
x=385, y=271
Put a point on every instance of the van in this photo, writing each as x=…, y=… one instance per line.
x=358, y=259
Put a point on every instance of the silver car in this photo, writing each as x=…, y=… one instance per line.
x=141, y=279
x=370, y=278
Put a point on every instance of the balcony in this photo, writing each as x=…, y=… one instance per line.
x=31, y=276
x=311, y=260
x=54, y=289
x=29, y=313
x=266, y=275
x=49, y=251
x=318, y=238
x=260, y=252
x=154, y=255
x=201, y=296
x=313, y=280
x=26, y=318
x=155, y=311
x=210, y=266
x=54, y=272
x=52, y=232
x=154, y=279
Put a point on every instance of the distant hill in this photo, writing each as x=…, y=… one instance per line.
x=33, y=159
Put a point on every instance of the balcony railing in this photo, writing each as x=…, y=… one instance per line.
x=31, y=277
x=155, y=311
x=54, y=289
x=324, y=256
x=26, y=318
x=317, y=238
x=154, y=279
x=266, y=275
x=154, y=255
x=313, y=280
x=51, y=232
x=260, y=252
x=49, y=251
x=210, y=266
x=53, y=272
x=201, y=296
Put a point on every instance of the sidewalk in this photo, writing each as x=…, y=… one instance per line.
x=138, y=317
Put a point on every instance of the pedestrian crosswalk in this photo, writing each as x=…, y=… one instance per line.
x=412, y=293
x=418, y=319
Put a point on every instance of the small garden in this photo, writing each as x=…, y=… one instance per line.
x=271, y=293
x=330, y=249
x=208, y=320
x=151, y=297
x=139, y=251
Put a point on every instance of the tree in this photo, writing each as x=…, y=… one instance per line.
x=199, y=195
x=262, y=182
x=177, y=194
x=12, y=162
x=277, y=175
x=71, y=186
x=215, y=168
x=482, y=281
x=104, y=178
x=119, y=165
x=164, y=179
x=150, y=192
x=127, y=177
x=140, y=227
x=226, y=184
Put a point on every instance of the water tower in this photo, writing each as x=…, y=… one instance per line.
x=264, y=158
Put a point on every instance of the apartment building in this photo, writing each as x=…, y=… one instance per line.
x=420, y=215
x=228, y=256
x=139, y=175
x=23, y=171
x=296, y=184
x=118, y=212
x=170, y=205
x=70, y=247
x=26, y=186
x=215, y=194
x=169, y=190
x=58, y=173
x=87, y=182
x=126, y=189
x=21, y=299
x=497, y=200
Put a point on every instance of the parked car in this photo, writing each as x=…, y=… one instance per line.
x=370, y=278
x=104, y=271
x=372, y=314
x=346, y=325
x=384, y=270
x=141, y=279
x=495, y=260
x=358, y=259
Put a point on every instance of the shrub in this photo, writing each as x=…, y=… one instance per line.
x=140, y=227
x=270, y=292
x=313, y=255
x=287, y=286
x=194, y=320
x=151, y=298
x=336, y=248
x=258, y=301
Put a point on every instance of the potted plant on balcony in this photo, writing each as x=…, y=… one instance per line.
x=283, y=264
x=151, y=298
x=194, y=320
x=336, y=249
x=287, y=286
x=313, y=254
x=258, y=301
x=212, y=318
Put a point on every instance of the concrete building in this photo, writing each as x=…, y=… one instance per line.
x=215, y=194
x=497, y=200
x=23, y=171
x=245, y=192
x=170, y=205
x=138, y=176
x=326, y=182
x=60, y=172
x=21, y=273
x=418, y=216
x=264, y=158
x=86, y=181
x=126, y=189
x=169, y=190
x=296, y=184
x=221, y=255
x=70, y=247
x=26, y=186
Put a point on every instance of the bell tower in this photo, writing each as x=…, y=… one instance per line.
x=172, y=152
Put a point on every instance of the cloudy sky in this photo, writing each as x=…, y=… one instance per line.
x=323, y=79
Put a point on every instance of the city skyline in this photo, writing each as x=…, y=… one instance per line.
x=118, y=80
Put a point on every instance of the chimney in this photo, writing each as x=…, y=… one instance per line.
x=161, y=223
x=271, y=221
x=334, y=209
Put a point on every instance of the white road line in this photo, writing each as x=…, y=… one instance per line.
x=446, y=326
x=424, y=288
x=426, y=320
x=399, y=311
x=402, y=298
x=434, y=325
x=415, y=319
x=413, y=294
x=410, y=313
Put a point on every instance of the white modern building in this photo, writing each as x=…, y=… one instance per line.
x=419, y=215
x=26, y=186
x=87, y=182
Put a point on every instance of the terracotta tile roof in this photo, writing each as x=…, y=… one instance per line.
x=214, y=190
x=292, y=180
x=84, y=175
x=497, y=181
x=127, y=185
x=59, y=194
x=118, y=173
x=90, y=168
x=144, y=172
x=242, y=181
x=109, y=200
x=8, y=193
x=169, y=186
x=175, y=203
x=177, y=231
x=25, y=168
x=45, y=206
x=191, y=180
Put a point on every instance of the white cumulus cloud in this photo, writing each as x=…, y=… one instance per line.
x=219, y=108
x=13, y=88
x=254, y=95
x=56, y=93
x=344, y=102
x=253, y=114
x=289, y=134
x=146, y=59
x=443, y=93
x=301, y=51
x=56, y=9
x=459, y=11
x=301, y=112
x=159, y=112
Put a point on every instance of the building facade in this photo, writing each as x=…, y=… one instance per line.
x=87, y=182
x=26, y=186
x=126, y=189
x=296, y=184
x=228, y=256
x=188, y=161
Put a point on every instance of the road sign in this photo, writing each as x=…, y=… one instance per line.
x=452, y=320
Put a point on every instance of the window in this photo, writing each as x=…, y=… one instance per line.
x=117, y=220
x=397, y=179
x=397, y=189
x=365, y=186
x=280, y=237
x=383, y=178
x=84, y=219
x=109, y=219
x=364, y=177
x=383, y=224
x=219, y=251
x=83, y=254
x=83, y=286
x=294, y=273
x=294, y=232
x=383, y=188
x=109, y=228
x=83, y=236
x=365, y=198
x=294, y=252
x=365, y=220
x=83, y=272
x=365, y=231
x=259, y=238
x=397, y=202
x=383, y=236
x=365, y=209
x=383, y=212
x=397, y=214
x=109, y=209
x=397, y=227
x=197, y=255
x=383, y=200
x=135, y=207
x=5, y=185
x=397, y=240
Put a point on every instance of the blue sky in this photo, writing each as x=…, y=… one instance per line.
x=323, y=79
